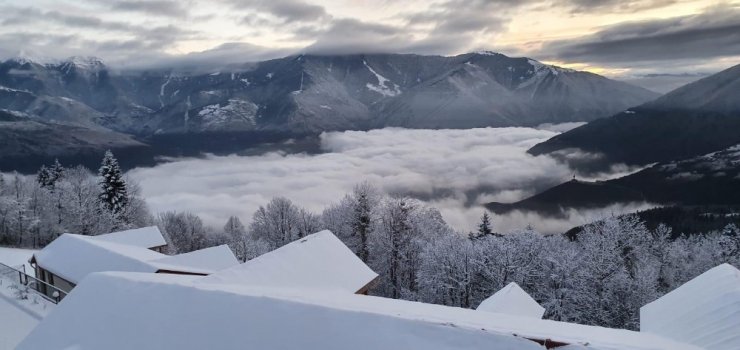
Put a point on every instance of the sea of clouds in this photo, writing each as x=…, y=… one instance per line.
x=453, y=170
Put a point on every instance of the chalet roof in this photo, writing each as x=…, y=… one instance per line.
x=73, y=257
x=208, y=259
x=169, y=311
x=145, y=237
x=319, y=260
x=512, y=300
x=704, y=311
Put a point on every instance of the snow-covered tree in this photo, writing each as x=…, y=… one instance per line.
x=184, y=231
x=276, y=223
x=484, y=228
x=237, y=233
x=113, y=195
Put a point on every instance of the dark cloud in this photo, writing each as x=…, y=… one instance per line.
x=284, y=11
x=714, y=33
x=631, y=6
x=166, y=8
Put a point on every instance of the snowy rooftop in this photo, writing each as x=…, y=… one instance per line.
x=145, y=237
x=117, y=310
x=705, y=311
x=319, y=260
x=208, y=259
x=512, y=300
x=73, y=257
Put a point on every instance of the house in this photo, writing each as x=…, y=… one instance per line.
x=145, y=237
x=317, y=261
x=256, y=306
x=704, y=311
x=70, y=258
x=512, y=300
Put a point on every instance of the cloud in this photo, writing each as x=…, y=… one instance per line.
x=629, y=6
x=711, y=34
x=455, y=170
x=165, y=8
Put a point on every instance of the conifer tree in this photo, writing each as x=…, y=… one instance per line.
x=56, y=172
x=484, y=228
x=43, y=177
x=113, y=195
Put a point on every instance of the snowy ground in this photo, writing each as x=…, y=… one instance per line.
x=18, y=316
x=15, y=257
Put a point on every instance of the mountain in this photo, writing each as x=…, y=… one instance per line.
x=698, y=118
x=709, y=180
x=308, y=94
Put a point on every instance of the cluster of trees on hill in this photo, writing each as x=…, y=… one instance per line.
x=601, y=276
x=34, y=211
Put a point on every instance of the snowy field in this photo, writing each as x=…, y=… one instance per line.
x=15, y=257
x=453, y=170
x=18, y=316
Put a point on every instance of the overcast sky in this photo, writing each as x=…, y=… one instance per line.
x=620, y=38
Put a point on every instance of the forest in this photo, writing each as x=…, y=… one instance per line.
x=600, y=275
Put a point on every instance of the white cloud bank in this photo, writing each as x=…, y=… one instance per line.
x=452, y=169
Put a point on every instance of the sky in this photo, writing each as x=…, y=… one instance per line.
x=659, y=41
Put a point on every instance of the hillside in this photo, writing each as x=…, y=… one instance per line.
x=711, y=179
x=698, y=118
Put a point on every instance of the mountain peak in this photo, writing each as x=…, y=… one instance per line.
x=85, y=62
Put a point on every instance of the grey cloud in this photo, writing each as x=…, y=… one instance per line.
x=286, y=11
x=155, y=7
x=714, y=33
x=630, y=6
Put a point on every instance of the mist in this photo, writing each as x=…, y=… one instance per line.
x=453, y=170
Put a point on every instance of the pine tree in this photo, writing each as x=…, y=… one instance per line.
x=43, y=177
x=56, y=172
x=484, y=228
x=113, y=196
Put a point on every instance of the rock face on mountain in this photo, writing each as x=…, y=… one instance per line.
x=310, y=94
x=698, y=118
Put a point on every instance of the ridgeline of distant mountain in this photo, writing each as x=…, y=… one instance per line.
x=708, y=180
x=297, y=95
x=696, y=119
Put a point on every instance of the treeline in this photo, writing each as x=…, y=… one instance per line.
x=34, y=211
x=601, y=276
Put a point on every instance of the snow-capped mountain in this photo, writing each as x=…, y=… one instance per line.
x=701, y=117
x=308, y=94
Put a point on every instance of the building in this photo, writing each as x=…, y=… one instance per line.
x=298, y=297
x=317, y=261
x=705, y=311
x=67, y=260
x=512, y=300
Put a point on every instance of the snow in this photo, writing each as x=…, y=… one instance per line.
x=17, y=316
x=319, y=260
x=16, y=321
x=705, y=311
x=146, y=311
x=213, y=259
x=161, y=91
x=17, y=258
x=383, y=86
x=512, y=300
x=73, y=257
x=245, y=81
x=145, y=237
x=236, y=110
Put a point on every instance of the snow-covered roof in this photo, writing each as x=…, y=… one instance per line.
x=118, y=310
x=705, y=311
x=319, y=260
x=72, y=257
x=145, y=237
x=209, y=259
x=512, y=300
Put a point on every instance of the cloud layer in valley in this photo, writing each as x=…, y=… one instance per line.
x=453, y=170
